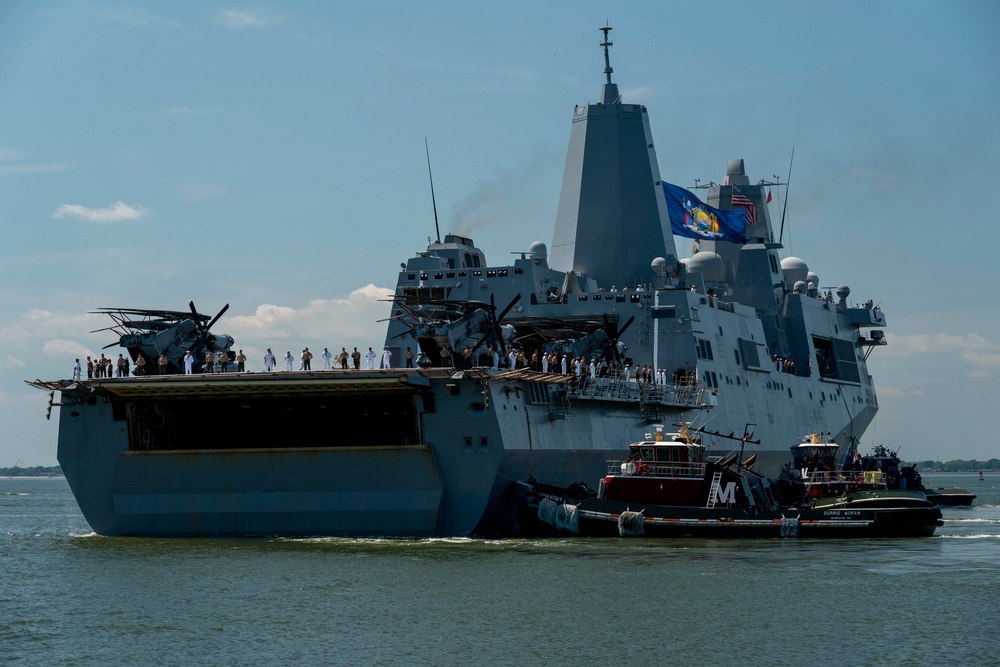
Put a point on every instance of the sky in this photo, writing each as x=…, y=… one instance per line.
x=271, y=156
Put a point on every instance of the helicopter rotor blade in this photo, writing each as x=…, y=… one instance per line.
x=513, y=302
x=216, y=318
x=622, y=330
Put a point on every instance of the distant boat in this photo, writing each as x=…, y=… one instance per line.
x=980, y=475
x=898, y=476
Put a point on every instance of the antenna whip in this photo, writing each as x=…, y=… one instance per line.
x=437, y=229
x=784, y=208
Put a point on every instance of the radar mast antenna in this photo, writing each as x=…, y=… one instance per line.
x=607, y=58
x=437, y=229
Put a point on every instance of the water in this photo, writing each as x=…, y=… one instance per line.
x=70, y=597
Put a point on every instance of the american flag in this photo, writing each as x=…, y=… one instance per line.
x=741, y=200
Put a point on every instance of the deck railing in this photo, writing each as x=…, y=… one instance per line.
x=634, y=390
x=869, y=477
x=656, y=469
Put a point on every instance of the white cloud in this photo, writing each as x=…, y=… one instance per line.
x=14, y=362
x=983, y=359
x=60, y=347
x=354, y=318
x=909, y=344
x=238, y=20
x=38, y=325
x=113, y=213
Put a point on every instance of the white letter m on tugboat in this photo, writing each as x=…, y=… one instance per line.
x=727, y=494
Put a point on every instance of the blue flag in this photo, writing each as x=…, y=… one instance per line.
x=691, y=218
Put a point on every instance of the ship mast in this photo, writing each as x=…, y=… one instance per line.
x=609, y=91
x=611, y=222
x=607, y=57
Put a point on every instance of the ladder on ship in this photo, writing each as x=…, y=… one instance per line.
x=713, y=490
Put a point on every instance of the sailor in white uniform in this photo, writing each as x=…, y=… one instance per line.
x=386, y=358
x=545, y=363
x=578, y=367
x=188, y=363
x=288, y=360
x=269, y=361
x=564, y=364
x=77, y=370
x=327, y=356
x=370, y=356
x=593, y=370
x=512, y=360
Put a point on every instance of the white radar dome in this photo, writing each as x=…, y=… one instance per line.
x=710, y=265
x=539, y=250
x=794, y=270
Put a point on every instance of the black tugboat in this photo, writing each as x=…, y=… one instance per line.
x=665, y=489
x=906, y=478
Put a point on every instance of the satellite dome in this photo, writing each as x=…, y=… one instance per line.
x=812, y=278
x=843, y=292
x=658, y=264
x=795, y=270
x=800, y=287
x=710, y=265
x=539, y=250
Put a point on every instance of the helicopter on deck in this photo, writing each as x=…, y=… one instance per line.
x=172, y=333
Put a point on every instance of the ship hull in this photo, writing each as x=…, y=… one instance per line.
x=442, y=463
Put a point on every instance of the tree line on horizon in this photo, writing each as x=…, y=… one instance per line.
x=32, y=471
x=957, y=465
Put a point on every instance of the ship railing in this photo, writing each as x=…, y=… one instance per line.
x=839, y=476
x=656, y=469
x=633, y=390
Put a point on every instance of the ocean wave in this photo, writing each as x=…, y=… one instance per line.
x=979, y=536
x=14, y=493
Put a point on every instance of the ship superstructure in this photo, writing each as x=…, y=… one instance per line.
x=730, y=336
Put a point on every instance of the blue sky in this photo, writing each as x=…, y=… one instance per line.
x=271, y=156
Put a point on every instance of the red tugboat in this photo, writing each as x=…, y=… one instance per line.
x=666, y=488
x=658, y=471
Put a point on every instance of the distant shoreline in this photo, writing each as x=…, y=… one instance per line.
x=3, y=477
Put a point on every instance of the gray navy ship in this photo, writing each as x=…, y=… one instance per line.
x=733, y=335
